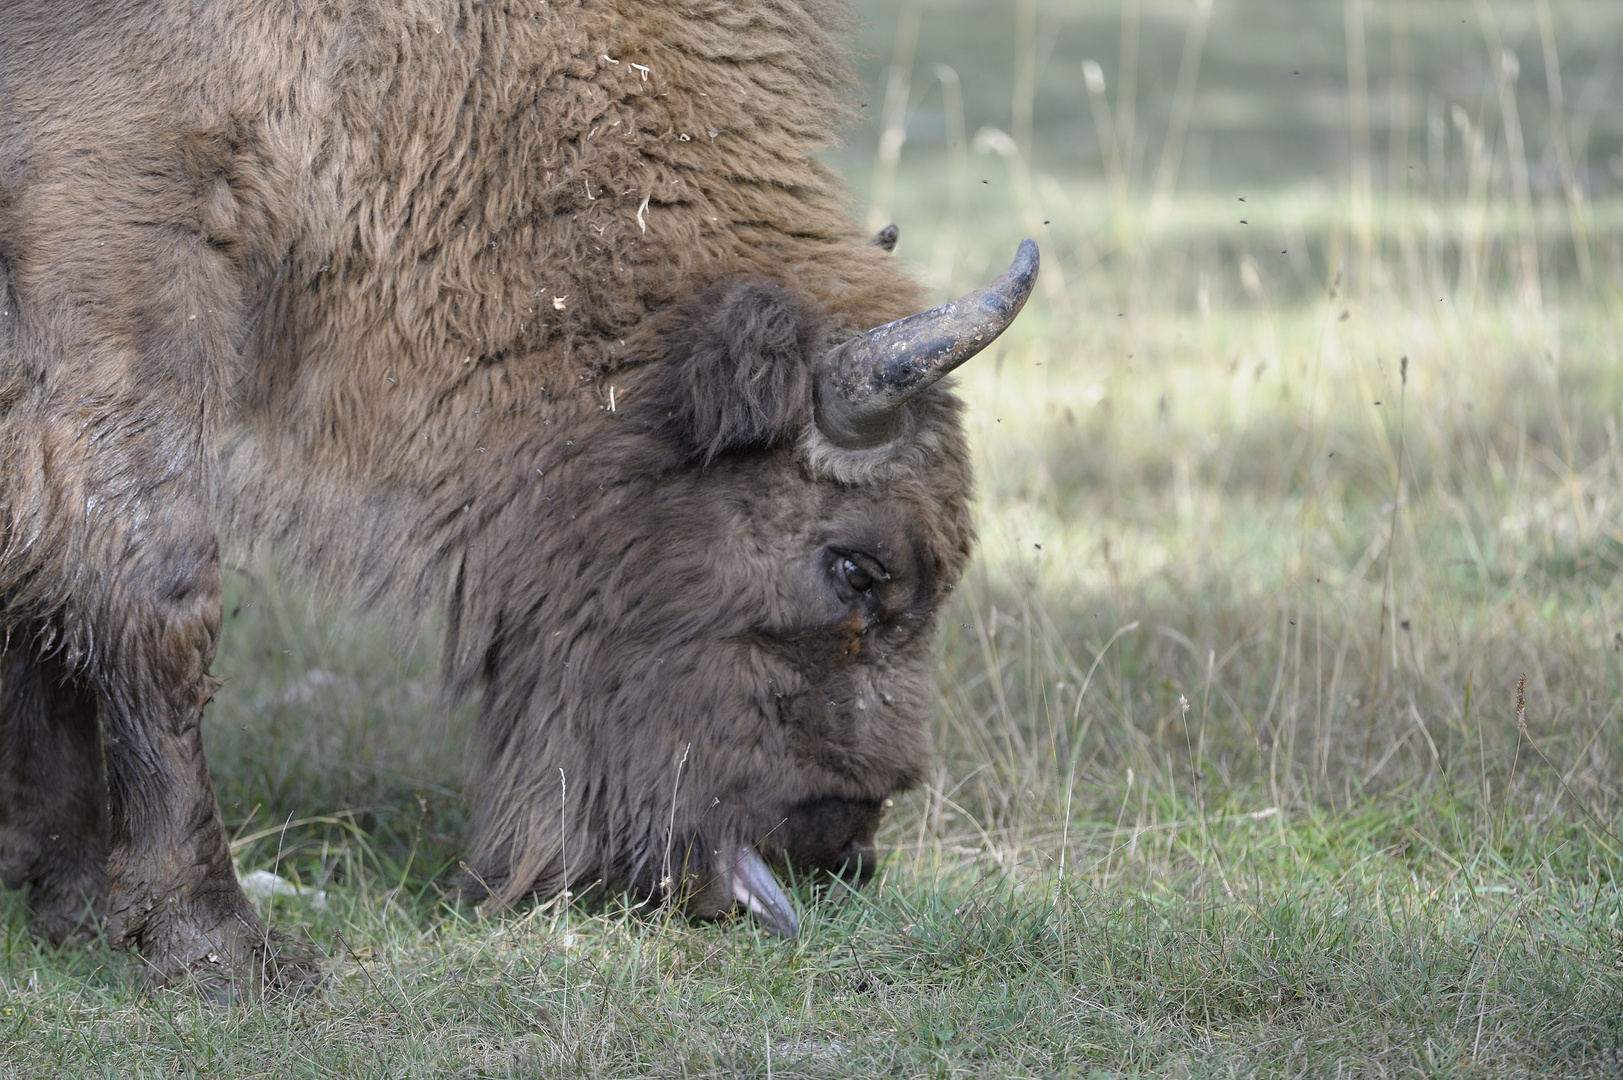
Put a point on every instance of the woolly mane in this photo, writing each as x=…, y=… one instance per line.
x=503, y=197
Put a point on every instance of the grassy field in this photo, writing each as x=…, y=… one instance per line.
x=1278, y=719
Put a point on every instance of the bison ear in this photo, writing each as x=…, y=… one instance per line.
x=738, y=372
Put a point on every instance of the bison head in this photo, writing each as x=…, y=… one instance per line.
x=708, y=656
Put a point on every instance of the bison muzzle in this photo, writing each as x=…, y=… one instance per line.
x=539, y=315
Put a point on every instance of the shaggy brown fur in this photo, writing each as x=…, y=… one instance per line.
x=509, y=308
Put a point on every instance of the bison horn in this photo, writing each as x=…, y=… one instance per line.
x=863, y=382
x=755, y=886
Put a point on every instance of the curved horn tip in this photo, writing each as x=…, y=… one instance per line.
x=863, y=382
x=755, y=887
x=1027, y=258
x=1017, y=281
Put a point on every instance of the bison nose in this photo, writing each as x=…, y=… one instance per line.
x=858, y=862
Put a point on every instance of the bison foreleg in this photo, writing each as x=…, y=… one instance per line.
x=53, y=796
x=174, y=892
x=111, y=407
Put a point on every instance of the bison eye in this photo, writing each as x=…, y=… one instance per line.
x=859, y=572
x=855, y=576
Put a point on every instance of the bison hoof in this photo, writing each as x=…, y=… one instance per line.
x=66, y=899
x=75, y=918
x=271, y=965
x=67, y=908
x=274, y=965
x=223, y=958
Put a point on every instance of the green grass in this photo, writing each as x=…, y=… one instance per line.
x=1232, y=776
x=1420, y=933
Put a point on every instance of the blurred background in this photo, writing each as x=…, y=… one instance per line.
x=1406, y=136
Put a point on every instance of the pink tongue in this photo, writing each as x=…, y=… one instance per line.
x=756, y=887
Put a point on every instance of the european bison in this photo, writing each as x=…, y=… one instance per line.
x=539, y=313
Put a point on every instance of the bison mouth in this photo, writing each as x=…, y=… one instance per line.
x=827, y=841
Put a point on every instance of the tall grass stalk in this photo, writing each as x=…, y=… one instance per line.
x=1558, y=131
x=1360, y=186
x=1386, y=608
x=893, y=132
x=944, y=256
x=1507, y=70
x=1183, y=106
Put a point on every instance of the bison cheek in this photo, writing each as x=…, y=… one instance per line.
x=851, y=739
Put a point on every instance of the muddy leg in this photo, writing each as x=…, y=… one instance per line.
x=53, y=796
x=174, y=892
